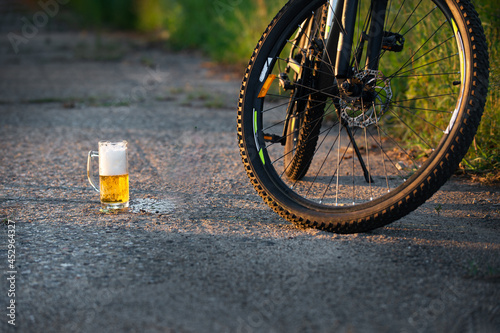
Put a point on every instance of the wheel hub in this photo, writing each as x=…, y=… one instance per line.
x=365, y=98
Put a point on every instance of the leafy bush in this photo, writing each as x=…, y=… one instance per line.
x=484, y=155
x=120, y=14
x=226, y=30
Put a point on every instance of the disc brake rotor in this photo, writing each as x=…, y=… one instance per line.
x=358, y=113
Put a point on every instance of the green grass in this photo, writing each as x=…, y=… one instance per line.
x=226, y=30
x=121, y=14
x=484, y=154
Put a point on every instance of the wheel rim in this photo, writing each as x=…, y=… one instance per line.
x=392, y=134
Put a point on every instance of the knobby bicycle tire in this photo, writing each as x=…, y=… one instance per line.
x=440, y=81
x=305, y=113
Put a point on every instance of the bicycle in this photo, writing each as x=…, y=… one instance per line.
x=352, y=113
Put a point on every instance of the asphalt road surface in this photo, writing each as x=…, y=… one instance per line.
x=199, y=251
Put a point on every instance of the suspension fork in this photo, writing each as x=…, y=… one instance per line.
x=340, y=41
x=338, y=51
x=336, y=58
x=376, y=34
x=346, y=34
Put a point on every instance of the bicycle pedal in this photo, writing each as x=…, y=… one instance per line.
x=273, y=138
x=393, y=41
x=285, y=82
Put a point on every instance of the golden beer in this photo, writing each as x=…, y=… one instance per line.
x=113, y=175
x=114, y=189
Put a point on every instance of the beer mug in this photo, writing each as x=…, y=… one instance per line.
x=113, y=174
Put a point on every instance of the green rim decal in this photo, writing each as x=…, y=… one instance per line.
x=255, y=137
x=261, y=154
x=254, y=121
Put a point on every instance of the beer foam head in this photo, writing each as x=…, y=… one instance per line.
x=112, y=159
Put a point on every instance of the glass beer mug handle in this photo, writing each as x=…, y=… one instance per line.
x=92, y=154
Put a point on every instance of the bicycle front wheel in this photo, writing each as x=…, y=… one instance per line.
x=372, y=157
